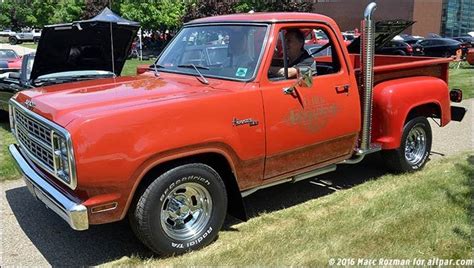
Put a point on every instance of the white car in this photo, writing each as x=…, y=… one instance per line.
x=7, y=33
x=18, y=38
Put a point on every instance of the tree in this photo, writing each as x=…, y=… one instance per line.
x=273, y=6
x=205, y=8
x=41, y=12
x=202, y=8
x=93, y=7
x=67, y=11
x=37, y=13
x=16, y=15
x=5, y=19
x=164, y=14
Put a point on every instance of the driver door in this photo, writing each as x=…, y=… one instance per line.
x=317, y=125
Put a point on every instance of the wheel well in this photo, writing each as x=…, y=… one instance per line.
x=217, y=162
x=427, y=110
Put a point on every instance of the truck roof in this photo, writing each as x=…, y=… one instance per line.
x=264, y=17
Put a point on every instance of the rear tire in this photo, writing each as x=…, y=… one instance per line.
x=181, y=210
x=415, y=147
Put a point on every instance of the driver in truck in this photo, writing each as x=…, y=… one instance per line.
x=296, y=54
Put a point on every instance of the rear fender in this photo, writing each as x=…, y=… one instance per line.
x=396, y=100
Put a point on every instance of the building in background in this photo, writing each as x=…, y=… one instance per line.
x=457, y=18
x=444, y=17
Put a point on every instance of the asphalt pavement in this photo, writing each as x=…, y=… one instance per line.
x=32, y=235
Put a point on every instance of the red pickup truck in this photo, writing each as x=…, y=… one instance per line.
x=177, y=147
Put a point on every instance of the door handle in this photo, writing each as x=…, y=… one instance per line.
x=288, y=90
x=342, y=89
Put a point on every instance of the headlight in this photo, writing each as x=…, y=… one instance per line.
x=62, y=158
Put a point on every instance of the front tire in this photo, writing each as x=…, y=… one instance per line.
x=181, y=210
x=415, y=147
x=13, y=40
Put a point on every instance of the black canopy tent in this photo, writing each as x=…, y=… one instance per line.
x=108, y=15
x=85, y=45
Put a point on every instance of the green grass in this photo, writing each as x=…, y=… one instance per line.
x=29, y=45
x=8, y=170
x=422, y=215
x=130, y=67
x=463, y=78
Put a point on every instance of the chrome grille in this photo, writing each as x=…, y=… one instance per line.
x=44, y=142
x=35, y=138
x=33, y=127
x=39, y=152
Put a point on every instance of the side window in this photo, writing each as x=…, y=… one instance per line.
x=426, y=43
x=304, y=47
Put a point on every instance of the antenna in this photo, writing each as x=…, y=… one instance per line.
x=112, y=41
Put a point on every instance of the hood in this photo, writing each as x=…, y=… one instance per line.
x=384, y=32
x=85, y=45
x=63, y=102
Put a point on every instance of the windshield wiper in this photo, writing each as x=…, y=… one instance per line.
x=190, y=65
x=155, y=67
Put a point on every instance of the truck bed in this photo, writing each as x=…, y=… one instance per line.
x=392, y=67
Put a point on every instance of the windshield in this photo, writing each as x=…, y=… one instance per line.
x=225, y=51
x=8, y=54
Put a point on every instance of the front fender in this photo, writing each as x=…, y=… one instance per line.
x=394, y=99
x=115, y=148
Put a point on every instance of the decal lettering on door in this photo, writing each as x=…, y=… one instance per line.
x=315, y=115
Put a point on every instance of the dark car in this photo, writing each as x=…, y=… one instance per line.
x=395, y=48
x=466, y=40
x=14, y=80
x=436, y=47
x=410, y=39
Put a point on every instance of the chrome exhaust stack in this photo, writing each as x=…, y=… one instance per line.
x=367, y=51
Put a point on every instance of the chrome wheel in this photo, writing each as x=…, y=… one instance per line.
x=186, y=211
x=415, y=146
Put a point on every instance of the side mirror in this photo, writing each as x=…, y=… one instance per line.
x=304, y=76
x=142, y=68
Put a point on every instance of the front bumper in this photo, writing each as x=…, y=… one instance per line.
x=73, y=213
